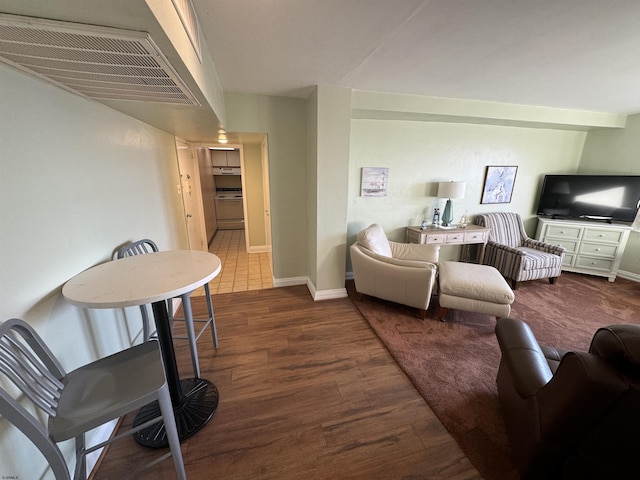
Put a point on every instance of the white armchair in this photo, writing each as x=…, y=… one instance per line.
x=399, y=272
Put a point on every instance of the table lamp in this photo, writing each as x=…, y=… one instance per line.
x=450, y=190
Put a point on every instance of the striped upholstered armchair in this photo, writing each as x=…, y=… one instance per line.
x=514, y=254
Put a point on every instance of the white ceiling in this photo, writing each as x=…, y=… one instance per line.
x=576, y=54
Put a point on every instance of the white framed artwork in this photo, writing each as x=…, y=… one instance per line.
x=374, y=182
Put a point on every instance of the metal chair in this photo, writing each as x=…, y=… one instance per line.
x=81, y=400
x=144, y=246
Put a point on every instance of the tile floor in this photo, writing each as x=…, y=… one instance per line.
x=241, y=271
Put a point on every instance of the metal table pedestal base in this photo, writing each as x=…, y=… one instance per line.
x=198, y=405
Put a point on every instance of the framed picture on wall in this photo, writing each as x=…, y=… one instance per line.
x=374, y=182
x=498, y=184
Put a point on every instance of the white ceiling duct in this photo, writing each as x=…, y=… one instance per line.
x=98, y=62
x=189, y=20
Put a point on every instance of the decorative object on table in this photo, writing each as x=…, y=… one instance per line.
x=374, y=182
x=498, y=184
x=436, y=217
x=464, y=220
x=424, y=224
x=450, y=190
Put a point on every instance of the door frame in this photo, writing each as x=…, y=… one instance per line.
x=191, y=192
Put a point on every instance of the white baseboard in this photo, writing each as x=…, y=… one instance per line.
x=289, y=282
x=629, y=276
x=319, y=295
x=330, y=294
x=259, y=249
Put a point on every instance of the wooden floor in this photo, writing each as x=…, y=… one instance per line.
x=307, y=391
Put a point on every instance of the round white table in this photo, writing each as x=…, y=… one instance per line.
x=153, y=278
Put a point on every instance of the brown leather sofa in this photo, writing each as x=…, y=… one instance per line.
x=571, y=415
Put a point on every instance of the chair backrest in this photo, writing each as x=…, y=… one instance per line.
x=373, y=238
x=33, y=369
x=609, y=447
x=620, y=345
x=506, y=228
x=137, y=248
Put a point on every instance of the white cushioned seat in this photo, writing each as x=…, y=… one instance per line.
x=474, y=288
x=399, y=272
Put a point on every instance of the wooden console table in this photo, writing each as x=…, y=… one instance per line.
x=471, y=234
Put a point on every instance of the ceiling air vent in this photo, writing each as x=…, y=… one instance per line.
x=101, y=63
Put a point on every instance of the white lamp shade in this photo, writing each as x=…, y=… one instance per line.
x=451, y=189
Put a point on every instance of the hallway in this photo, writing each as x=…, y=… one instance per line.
x=241, y=271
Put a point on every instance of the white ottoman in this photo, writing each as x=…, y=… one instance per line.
x=474, y=288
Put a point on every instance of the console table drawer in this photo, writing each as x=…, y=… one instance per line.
x=599, y=249
x=455, y=238
x=603, y=235
x=458, y=235
x=440, y=239
x=563, y=231
x=594, y=263
x=476, y=237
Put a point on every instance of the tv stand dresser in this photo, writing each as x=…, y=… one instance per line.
x=593, y=248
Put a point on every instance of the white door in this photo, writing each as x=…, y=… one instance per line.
x=191, y=196
x=265, y=191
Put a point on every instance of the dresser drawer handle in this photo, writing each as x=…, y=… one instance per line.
x=597, y=249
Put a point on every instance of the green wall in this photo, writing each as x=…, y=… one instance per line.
x=77, y=180
x=617, y=152
x=420, y=154
x=284, y=121
x=332, y=172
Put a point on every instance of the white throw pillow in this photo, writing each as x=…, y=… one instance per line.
x=374, y=238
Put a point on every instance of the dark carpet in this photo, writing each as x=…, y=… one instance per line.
x=453, y=364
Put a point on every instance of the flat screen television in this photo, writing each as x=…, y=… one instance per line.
x=609, y=198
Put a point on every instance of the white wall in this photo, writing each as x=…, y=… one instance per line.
x=77, y=180
x=419, y=154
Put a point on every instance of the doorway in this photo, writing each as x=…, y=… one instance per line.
x=245, y=249
x=241, y=271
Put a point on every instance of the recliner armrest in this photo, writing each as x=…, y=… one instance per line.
x=505, y=248
x=544, y=247
x=415, y=251
x=523, y=357
x=401, y=262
